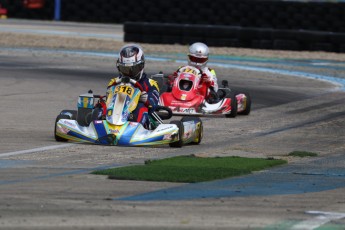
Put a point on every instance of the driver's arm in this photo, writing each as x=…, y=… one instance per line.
x=153, y=95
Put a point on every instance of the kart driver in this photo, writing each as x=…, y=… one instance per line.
x=131, y=64
x=198, y=58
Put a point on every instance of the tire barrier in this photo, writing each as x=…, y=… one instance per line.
x=3, y=12
x=291, y=15
x=251, y=18
x=234, y=36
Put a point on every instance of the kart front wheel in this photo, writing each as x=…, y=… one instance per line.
x=57, y=138
x=200, y=134
x=179, y=143
x=246, y=111
x=199, y=129
x=233, y=112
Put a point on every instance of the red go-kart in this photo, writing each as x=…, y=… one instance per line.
x=188, y=97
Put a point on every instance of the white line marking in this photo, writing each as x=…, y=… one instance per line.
x=322, y=218
x=337, y=81
x=41, y=149
x=118, y=36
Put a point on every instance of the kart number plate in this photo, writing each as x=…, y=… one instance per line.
x=129, y=90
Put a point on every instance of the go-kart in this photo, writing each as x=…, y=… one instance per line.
x=188, y=97
x=117, y=126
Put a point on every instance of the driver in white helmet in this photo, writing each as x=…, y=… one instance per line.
x=131, y=63
x=198, y=57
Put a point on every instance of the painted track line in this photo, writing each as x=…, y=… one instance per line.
x=338, y=82
x=114, y=36
x=321, y=219
x=41, y=149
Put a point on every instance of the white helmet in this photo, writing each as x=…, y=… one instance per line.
x=198, y=55
x=131, y=61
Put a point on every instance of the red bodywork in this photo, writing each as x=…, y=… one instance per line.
x=191, y=100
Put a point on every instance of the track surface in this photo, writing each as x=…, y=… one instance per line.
x=45, y=184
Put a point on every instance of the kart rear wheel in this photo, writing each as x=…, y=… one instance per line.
x=71, y=113
x=84, y=116
x=246, y=111
x=179, y=143
x=94, y=115
x=233, y=112
x=57, y=138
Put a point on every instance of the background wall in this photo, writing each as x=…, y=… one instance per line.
x=266, y=24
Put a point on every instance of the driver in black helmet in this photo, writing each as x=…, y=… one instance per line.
x=131, y=63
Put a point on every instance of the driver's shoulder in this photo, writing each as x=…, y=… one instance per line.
x=209, y=71
x=113, y=80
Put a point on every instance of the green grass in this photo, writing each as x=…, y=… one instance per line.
x=190, y=169
x=302, y=154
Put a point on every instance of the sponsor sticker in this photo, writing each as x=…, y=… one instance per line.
x=133, y=124
x=187, y=110
x=114, y=131
x=66, y=122
x=167, y=137
x=62, y=130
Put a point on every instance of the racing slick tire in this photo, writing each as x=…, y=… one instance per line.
x=233, y=112
x=246, y=111
x=200, y=134
x=83, y=115
x=86, y=116
x=94, y=115
x=179, y=143
x=60, y=116
x=71, y=113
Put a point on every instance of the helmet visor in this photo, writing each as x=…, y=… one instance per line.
x=130, y=69
x=195, y=59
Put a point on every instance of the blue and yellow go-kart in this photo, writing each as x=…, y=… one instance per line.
x=117, y=128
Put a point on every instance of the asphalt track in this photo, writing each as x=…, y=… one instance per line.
x=47, y=185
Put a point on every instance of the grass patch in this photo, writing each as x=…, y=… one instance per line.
x=302, y=154
x=190, y=169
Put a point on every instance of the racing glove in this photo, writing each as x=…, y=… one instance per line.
x=205, y=78
x=143, y=97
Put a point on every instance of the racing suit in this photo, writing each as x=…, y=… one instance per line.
x=146, y=105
